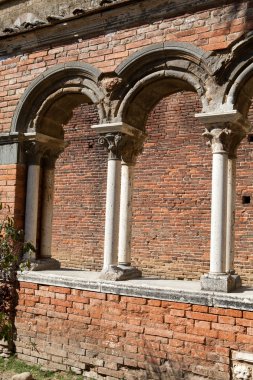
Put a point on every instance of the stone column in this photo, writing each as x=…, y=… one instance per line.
x=217, y=279
x=111, y=142
x=125, y=224
x=46, y=261
x=231, y=194
x=131, y=147
x=231, y=203
x=33, y=151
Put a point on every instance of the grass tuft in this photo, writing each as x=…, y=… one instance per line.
x=15, y=366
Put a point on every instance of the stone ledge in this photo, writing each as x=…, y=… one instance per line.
x=167, y=290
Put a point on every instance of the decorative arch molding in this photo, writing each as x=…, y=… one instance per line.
x=48, y=101
x=236, y=76
x=156, y=71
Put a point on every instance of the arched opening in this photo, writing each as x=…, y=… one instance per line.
x=244, y=210
x=171, y=223
x=239, y=95
x=79, y=200
x=54, y=117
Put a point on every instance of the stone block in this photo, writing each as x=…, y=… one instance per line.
x=219, y=282
x=120, y=273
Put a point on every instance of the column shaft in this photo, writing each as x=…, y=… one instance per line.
x=112, y=213
x=47, y=213
x=218, y=214
x=125, y=223
x=32, y=198
x=231, y=195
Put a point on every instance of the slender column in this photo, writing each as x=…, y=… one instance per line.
x=47, y=205
x=130, y=149
x=33, y=152
x=231, y=195
x=218, y=214
x=111, y=141
x=125, y=224
x=217, y=279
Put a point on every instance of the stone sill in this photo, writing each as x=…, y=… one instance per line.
x=167, y=290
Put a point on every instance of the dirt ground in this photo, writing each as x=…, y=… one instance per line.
x=7, y=375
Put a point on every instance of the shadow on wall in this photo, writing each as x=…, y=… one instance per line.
x=158, y=368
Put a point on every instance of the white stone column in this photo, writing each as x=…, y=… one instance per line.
x=34, y=154
x=217, y=279
x=131, y=148
x=111, y=142
x=218, y=213
x=112, y=213
x=123, y=143
x=231, y=198
x=125, y=224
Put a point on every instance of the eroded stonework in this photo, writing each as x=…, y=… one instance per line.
x=242, y=365
x=39, y=14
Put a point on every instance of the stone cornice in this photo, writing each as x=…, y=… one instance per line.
x=42, y=20
x=13, y=137
x=168, y=290
x=71, y=27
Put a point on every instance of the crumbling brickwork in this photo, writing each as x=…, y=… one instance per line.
x=127, y=337
x=67, y=65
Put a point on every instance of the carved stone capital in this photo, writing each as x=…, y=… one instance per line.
x=50, y=157
x=111, y=141
x=130, y=148
x=224, y=139
x=34, y=151
x=122, y=146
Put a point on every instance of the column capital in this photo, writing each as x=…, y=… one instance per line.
x=122, y=146
x=111, y=141
x=224, y=138
x=34, y=151
x=51, y=155
x=131, y=147
x=122, y=140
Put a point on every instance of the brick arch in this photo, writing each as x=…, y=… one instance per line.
x=48, y=101
x=155, y=72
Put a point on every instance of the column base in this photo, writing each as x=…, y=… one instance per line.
x=44, y=264
x=238, y=281
x=220, y=282
x=120, y=273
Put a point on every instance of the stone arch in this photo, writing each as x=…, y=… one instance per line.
x=155, y=72
x=237, y=77
x=48, y=101
x=44, y=109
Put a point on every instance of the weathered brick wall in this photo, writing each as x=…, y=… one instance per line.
x=122, y=32
x=171, y=228
x=128, y=337
x=79, y=202
x=172, y=190
x=12, y=191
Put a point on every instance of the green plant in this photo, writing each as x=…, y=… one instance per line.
x=12, y=250
x=14, y=365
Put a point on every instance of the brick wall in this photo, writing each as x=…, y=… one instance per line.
x=127, y=337
x=172, y=190
x=79, y=202
x=172, y=197
x=12, y=191
x=122, y=33
x=171, y=228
